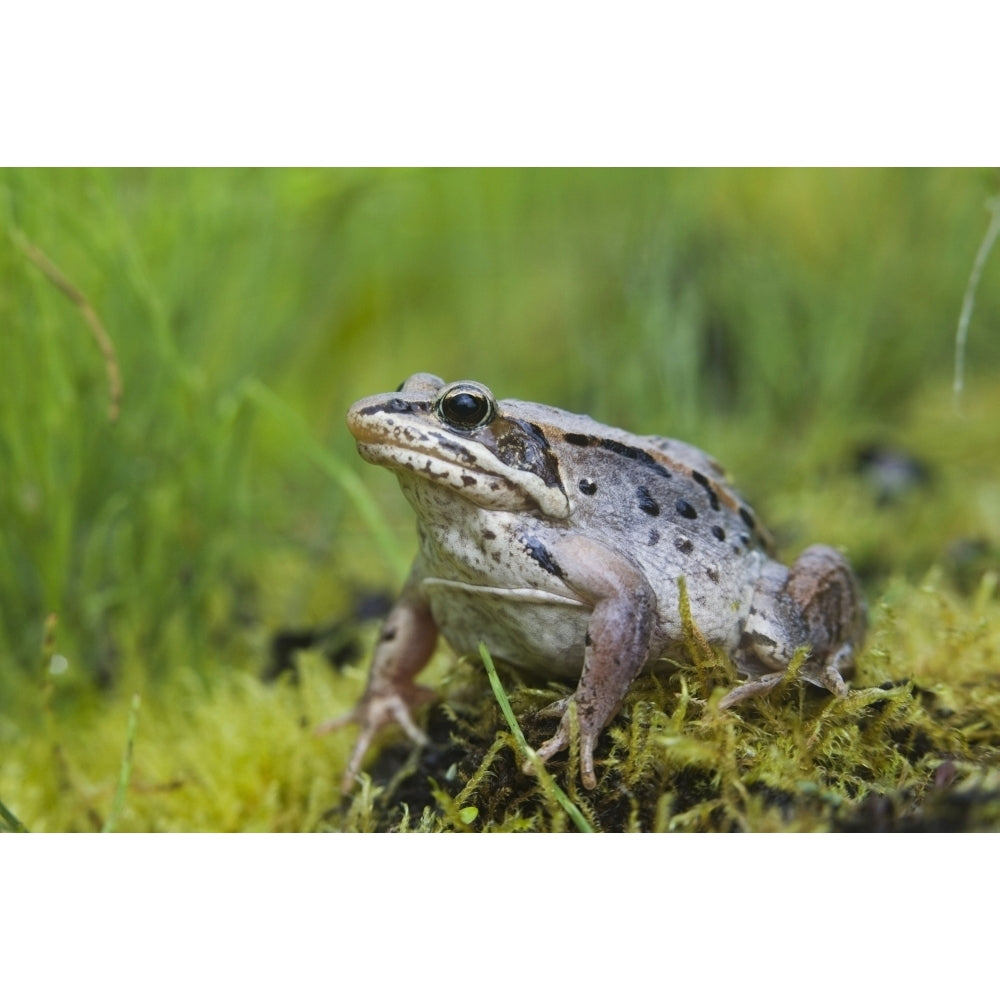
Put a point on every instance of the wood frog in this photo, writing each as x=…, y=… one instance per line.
x=559, y=542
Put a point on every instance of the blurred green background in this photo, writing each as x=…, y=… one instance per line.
x=785, y=321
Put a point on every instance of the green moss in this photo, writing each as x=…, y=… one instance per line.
x=915, y=746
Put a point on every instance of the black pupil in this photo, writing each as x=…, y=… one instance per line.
x=465, y=409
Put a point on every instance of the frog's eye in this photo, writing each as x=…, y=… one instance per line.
x=466, y=405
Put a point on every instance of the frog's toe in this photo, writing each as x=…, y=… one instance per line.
x=548, y=749
x=829, y=672
x=377, y=710
x=398, y=710
x=834, y=683
x=338, y=722
x=556, y=710
x=751, y=689
x=831, y=677
x=374, y=713
x=551, y=747
x=560, y=742
x=587, y=775
x=353, y=768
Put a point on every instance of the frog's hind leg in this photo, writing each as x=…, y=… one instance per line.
x=826, y=672
x=771, y=635
x=814, y=603
x=826, y=592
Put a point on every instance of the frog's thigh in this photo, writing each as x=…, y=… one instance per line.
x=821, y=584
x=619, y=630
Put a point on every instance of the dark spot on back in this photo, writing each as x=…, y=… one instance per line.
x=490, y=535
x=702, y=480
x=685, y=509
x=542, y=556
x=654, y=536
x=747, y=519
x=636, y=454
x=469, y=480
x=588, y=487
x=719, y=532
x=684, y=545
x=646, y=503
x=713, y=575
x=619, y=448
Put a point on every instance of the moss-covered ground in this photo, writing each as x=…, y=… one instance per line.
x=190, y=579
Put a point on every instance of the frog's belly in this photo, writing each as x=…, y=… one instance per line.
x=541, y=632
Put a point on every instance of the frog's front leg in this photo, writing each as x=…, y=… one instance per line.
x=616, y=643
x=815, y=603
x=404, y=646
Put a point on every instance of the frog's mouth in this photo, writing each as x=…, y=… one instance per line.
x=465, y=467
x=466, y=478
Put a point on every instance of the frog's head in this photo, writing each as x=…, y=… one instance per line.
x=460, y=438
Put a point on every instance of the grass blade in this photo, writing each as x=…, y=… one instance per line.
x=126, y=769
x=544, y=778
x=9, y=823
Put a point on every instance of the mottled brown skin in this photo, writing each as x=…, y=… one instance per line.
x=560, y=541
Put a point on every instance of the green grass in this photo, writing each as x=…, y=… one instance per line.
x=781, y=320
